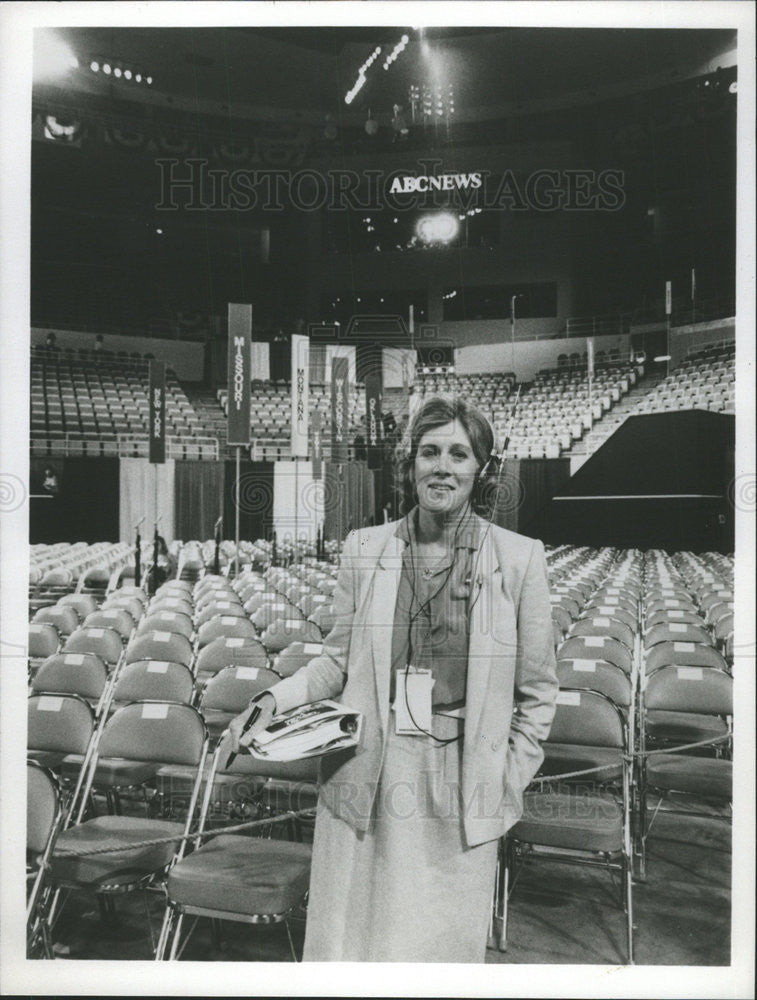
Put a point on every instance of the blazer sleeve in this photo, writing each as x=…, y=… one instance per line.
x=324, y=676
x=535, y=676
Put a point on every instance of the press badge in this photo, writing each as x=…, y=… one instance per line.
x=412, y=701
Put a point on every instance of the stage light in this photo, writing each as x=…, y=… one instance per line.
x=127, y=74
x=662, y=357
x=438, y=228
x=149, y=81
x=138, y=77
x=106, y=69
x=117, y=72
x=733, y=87
x=94, y=66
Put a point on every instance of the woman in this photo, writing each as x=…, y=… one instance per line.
x=443, y=641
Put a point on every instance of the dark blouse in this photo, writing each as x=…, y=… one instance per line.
x=431, y=615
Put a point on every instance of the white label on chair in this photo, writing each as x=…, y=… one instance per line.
x=36, y=629
x=684, y=647
x=259, y=588
x=155, y=711
x=319, y=599
x=95, y=633
x=313, y=647
x=48, y=704
x=612, y=601
x=233, y=643
x=75, y=659
x=568, y=697
x=690, y=673
x=277, y=607
x=677, y=627
x=604, y=622
x=161, y=636
x=157, y=667
x=291, y=624
x=167, y=616
x=229, y=619
x=111, y=614
x=555, y=598
x=604, y=610
x=612, y=590
x=670, y=603
x=223, y=604
x=593, y=640
x=247, y=673
x=585, y=666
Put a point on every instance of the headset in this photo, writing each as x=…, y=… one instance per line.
x=480, y=479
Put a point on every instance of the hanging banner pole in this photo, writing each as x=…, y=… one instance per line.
x=300, y=387
x=156, y=444
x=239, y=375
x=339, y=416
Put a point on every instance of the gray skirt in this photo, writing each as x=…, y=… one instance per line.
x=409, y=889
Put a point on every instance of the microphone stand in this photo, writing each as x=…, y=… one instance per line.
x=217, y=560
x=138, y=554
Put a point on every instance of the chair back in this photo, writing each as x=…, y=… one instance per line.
x=587, y=718
x=43, y=806
x=84, y=674
x=231, y=689
x=597, y=647
x=62, y=616
x=696, y=690
x=154, y=680
x=604, y=625
x=59, y=723
x=103, y=642
x=157, y=731
x=677, y=632
x=225, y=626
x=44, y=639
x=115, y=618
x=84, y=604
x=296, y=655
x=682, y=654
x=168, y=620
x=160, y=644
x=596, y=675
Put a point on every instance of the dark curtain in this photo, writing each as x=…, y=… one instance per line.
x=351, y=499
x=255, y=498
x=198, y=498
x=540, y=480
x=79, y=503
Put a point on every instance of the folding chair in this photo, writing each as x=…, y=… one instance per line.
x=83, y=604
x=228, y=693
x=153, y=680
x=118, y=619
x=84, y=674
x=603, y=625
x=44, y=641
x=705, y=693
x=44, y=817
x=61, y=729
x=562, y=618
x=677, y=632
x=159, y=644
x=234, y=877
x=224, y=652
x=182, y=605
x=131, y=603
x=593, y=647
x=103, y=642
x=62, y=616
x=296, y=655
x=281, y=633
x=214, y=609
x=168, y=620
x=325, y=618
x=670, y=615
x=577, y=826
x=225, y=627
x=147, y=733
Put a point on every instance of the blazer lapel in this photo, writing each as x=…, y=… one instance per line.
x=487, y=583
x=386, y=583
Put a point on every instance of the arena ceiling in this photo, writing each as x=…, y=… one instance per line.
x=307, y=71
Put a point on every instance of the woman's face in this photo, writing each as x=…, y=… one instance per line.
x=445, y=469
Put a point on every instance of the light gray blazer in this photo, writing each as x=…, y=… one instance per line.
x=511, y=681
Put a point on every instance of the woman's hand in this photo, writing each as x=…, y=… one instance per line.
x=267, y=705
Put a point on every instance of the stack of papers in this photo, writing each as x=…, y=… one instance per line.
x=310, y=731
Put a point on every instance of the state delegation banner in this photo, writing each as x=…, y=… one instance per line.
x=239, y=372
x=339, y=409
x=157, y=418
x=317, y=450
x=300, y=395
x=373, y=426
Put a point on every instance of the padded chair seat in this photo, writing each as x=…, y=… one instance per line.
x=574, y=822
x=683, y=727
x=708, y=776
x=119, y=866
x=244, y=875
x=117, y=772
x=560, y=758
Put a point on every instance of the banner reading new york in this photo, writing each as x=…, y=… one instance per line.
x=157, y=408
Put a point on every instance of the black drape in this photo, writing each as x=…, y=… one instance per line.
x=85, y=507
x=199, y=498
x=254, y=493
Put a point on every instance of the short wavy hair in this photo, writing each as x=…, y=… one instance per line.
x=436, y=412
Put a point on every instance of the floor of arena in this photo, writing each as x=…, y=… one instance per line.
x=558, y=914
